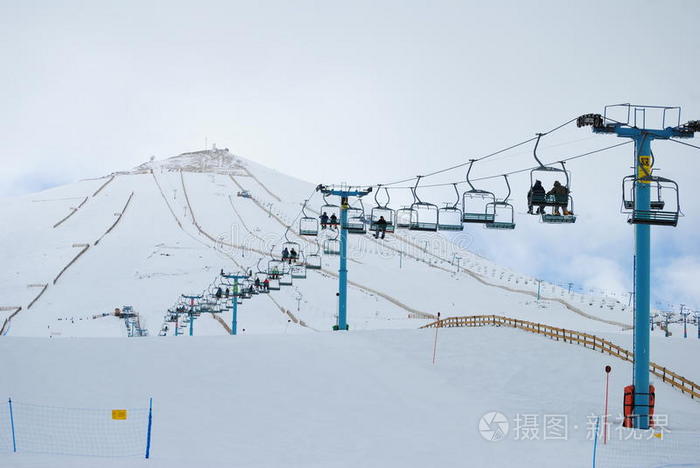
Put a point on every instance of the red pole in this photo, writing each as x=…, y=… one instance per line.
x=437, y=325
x=605, y=415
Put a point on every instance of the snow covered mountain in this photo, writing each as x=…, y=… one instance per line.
x=144, y=237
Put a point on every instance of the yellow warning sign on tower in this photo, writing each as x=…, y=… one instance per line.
x=119, y=414
x=644, y=168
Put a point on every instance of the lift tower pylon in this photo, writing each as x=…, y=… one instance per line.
x=632, y=124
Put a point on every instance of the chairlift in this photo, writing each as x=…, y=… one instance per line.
x=424, y=215
x=298, y=269
x=290, y=246
x=538, y=196
x=474, y=202
x=308, y=225
x=403, y=217
x=554, y=218
x=356, y=219
x=382, y=211
x=656, y=202
x=276, y=268
x=503, y=212
x=331, y=245
x=450, y=217
x=664, y=212
x=329, y=209
x=313, y=261
x=286, y=279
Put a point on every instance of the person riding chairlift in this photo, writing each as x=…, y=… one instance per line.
x=334, y=221
x=266, y=284
x=324, y=220
x=285, y=254
x=293, y=255
x=560, y=193
x=381, y=227
x=218, y=293
x=536, y=191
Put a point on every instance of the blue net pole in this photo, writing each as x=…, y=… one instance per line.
x=595, y=440
x=150, y=423
x=12, y=425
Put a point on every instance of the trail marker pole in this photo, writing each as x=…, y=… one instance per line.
x=605, y=415
x=437, y=325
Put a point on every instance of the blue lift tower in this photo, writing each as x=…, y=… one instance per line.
x=344, y=193
x=235, y=294
x=192, y=312
x=646, y=208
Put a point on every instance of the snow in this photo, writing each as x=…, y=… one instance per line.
x=367, y=398
x=280, y=393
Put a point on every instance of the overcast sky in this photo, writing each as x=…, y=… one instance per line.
x=364, y=92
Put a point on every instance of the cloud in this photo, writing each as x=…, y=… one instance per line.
x=678, y=281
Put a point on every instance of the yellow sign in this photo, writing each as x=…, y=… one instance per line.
x=659, y=435
x=119, y=414
x=644, y=167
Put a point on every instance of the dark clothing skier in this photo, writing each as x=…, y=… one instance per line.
x=536, y=192
x=380, y=225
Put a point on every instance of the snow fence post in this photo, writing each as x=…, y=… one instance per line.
x=148, y=432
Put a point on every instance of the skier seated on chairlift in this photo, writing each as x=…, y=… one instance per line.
x=266, y=284
x=218, y=293
x=227, y=292
x=381, y=227
x=293, y=255
x=324, y=220
x=559, y=192
x=334, y=221
x=536, y=191
x=285, y=254
x=257, y=283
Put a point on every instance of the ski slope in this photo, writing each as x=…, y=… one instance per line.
x=364, y=398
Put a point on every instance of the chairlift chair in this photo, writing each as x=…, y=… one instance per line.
x=298, y=270
x=313, y=261
x=656, y=202
x=286, y=279
x=403, y=217
x=424, y=215
x=474, y=202
x=541, y=199
x=330, y=209
x=502, y=211
x=331, y=245
x=291, y=246
x=308, y=226
x=382, y=211
x=570, y=218
x=356, y=220
x=450, y=217
x=664, y=212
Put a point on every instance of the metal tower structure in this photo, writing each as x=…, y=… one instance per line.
x=344, y=192
x=633, y=125
x=235, y=294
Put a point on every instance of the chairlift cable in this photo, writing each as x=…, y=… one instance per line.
x=457, y=166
